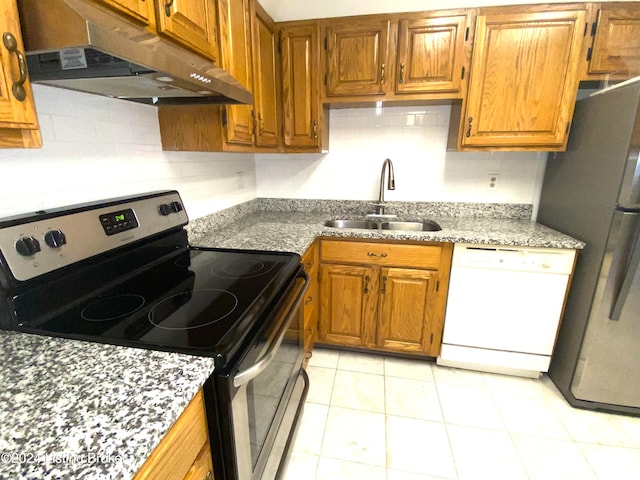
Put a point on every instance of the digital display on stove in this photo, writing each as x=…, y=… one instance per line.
x=117, y=222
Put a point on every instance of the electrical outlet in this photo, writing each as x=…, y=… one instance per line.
x=492, y=180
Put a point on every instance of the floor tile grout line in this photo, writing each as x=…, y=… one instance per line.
x=446, y=426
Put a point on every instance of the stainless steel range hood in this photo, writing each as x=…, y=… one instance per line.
x=76, y=45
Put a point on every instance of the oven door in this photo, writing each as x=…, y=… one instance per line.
x=267, y=390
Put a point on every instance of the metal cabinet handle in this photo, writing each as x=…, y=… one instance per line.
x=261, y=121
x=382, y=67
x=372, y=254
x=307, y=266
x=384, y=285
x=167, y=7
x=468, y=134
x=308, y=300
x=209, y=475
x=315, y=129
x=11, y=44
x=401, y=79
x=366, y=284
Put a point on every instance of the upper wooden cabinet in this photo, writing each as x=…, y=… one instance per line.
x=613, y=51
x=192, y=23
x=249, y=53
x=357, y=57
x=305, y=122
x=524, y=78
x=397, y=57
x=266, y=92
x=18, y=122
x=431, y=54
x=142, y=11
x=235, y=40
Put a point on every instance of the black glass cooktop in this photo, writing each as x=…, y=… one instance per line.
x=199, y=301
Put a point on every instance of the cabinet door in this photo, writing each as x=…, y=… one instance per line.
x=430, y=54
x=406, y=320
x=348, y=297
x=235, y=39
x=191, y=23
x=616, y=46
x=18, y=121
x=140, y=10
x=524, y=80
x=265, y=92
x=301, y=99
x=357, y=58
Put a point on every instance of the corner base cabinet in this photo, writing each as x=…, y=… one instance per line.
x=384, y=296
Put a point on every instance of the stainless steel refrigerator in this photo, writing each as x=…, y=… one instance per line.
x=592, y=192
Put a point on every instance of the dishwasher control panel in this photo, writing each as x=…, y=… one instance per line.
x=503, y=257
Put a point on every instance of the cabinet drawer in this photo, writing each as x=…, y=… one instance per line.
x=399, y=255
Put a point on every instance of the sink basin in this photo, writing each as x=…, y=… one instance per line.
x=351, y=224
x=425, y=226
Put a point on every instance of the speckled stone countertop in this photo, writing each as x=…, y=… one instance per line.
x=79, y=410
x=274, y=224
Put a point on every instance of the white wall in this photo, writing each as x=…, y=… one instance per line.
x=415, y=139
x=96, y=148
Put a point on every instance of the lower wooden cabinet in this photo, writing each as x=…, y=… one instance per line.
x=184, y=452
x=384, y=304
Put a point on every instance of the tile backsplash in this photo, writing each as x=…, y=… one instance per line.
x=96, y=147
x=415, y=139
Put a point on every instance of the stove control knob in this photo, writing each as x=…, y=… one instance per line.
x=27, y=246
x=176, y=207
x=164, y=210
x=55, y=238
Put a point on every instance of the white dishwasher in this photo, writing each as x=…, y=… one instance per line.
x=504, y=307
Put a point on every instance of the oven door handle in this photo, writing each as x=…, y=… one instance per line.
x=245, y=376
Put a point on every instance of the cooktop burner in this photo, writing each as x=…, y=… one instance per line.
x=112, y=308
x=169, y=315
x=242, y=268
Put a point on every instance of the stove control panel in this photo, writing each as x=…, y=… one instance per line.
x=42, y=242
x=120, y=221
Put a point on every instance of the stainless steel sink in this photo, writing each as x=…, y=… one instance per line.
x=351, y=224
x=425, y=226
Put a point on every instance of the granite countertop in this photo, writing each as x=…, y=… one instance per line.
x=296, y=231
x=81, y=410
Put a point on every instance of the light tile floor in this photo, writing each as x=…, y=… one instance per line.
x=373, y=417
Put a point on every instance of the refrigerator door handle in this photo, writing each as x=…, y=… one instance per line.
x=629, y=275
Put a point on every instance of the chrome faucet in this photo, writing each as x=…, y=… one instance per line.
x=391, y=185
